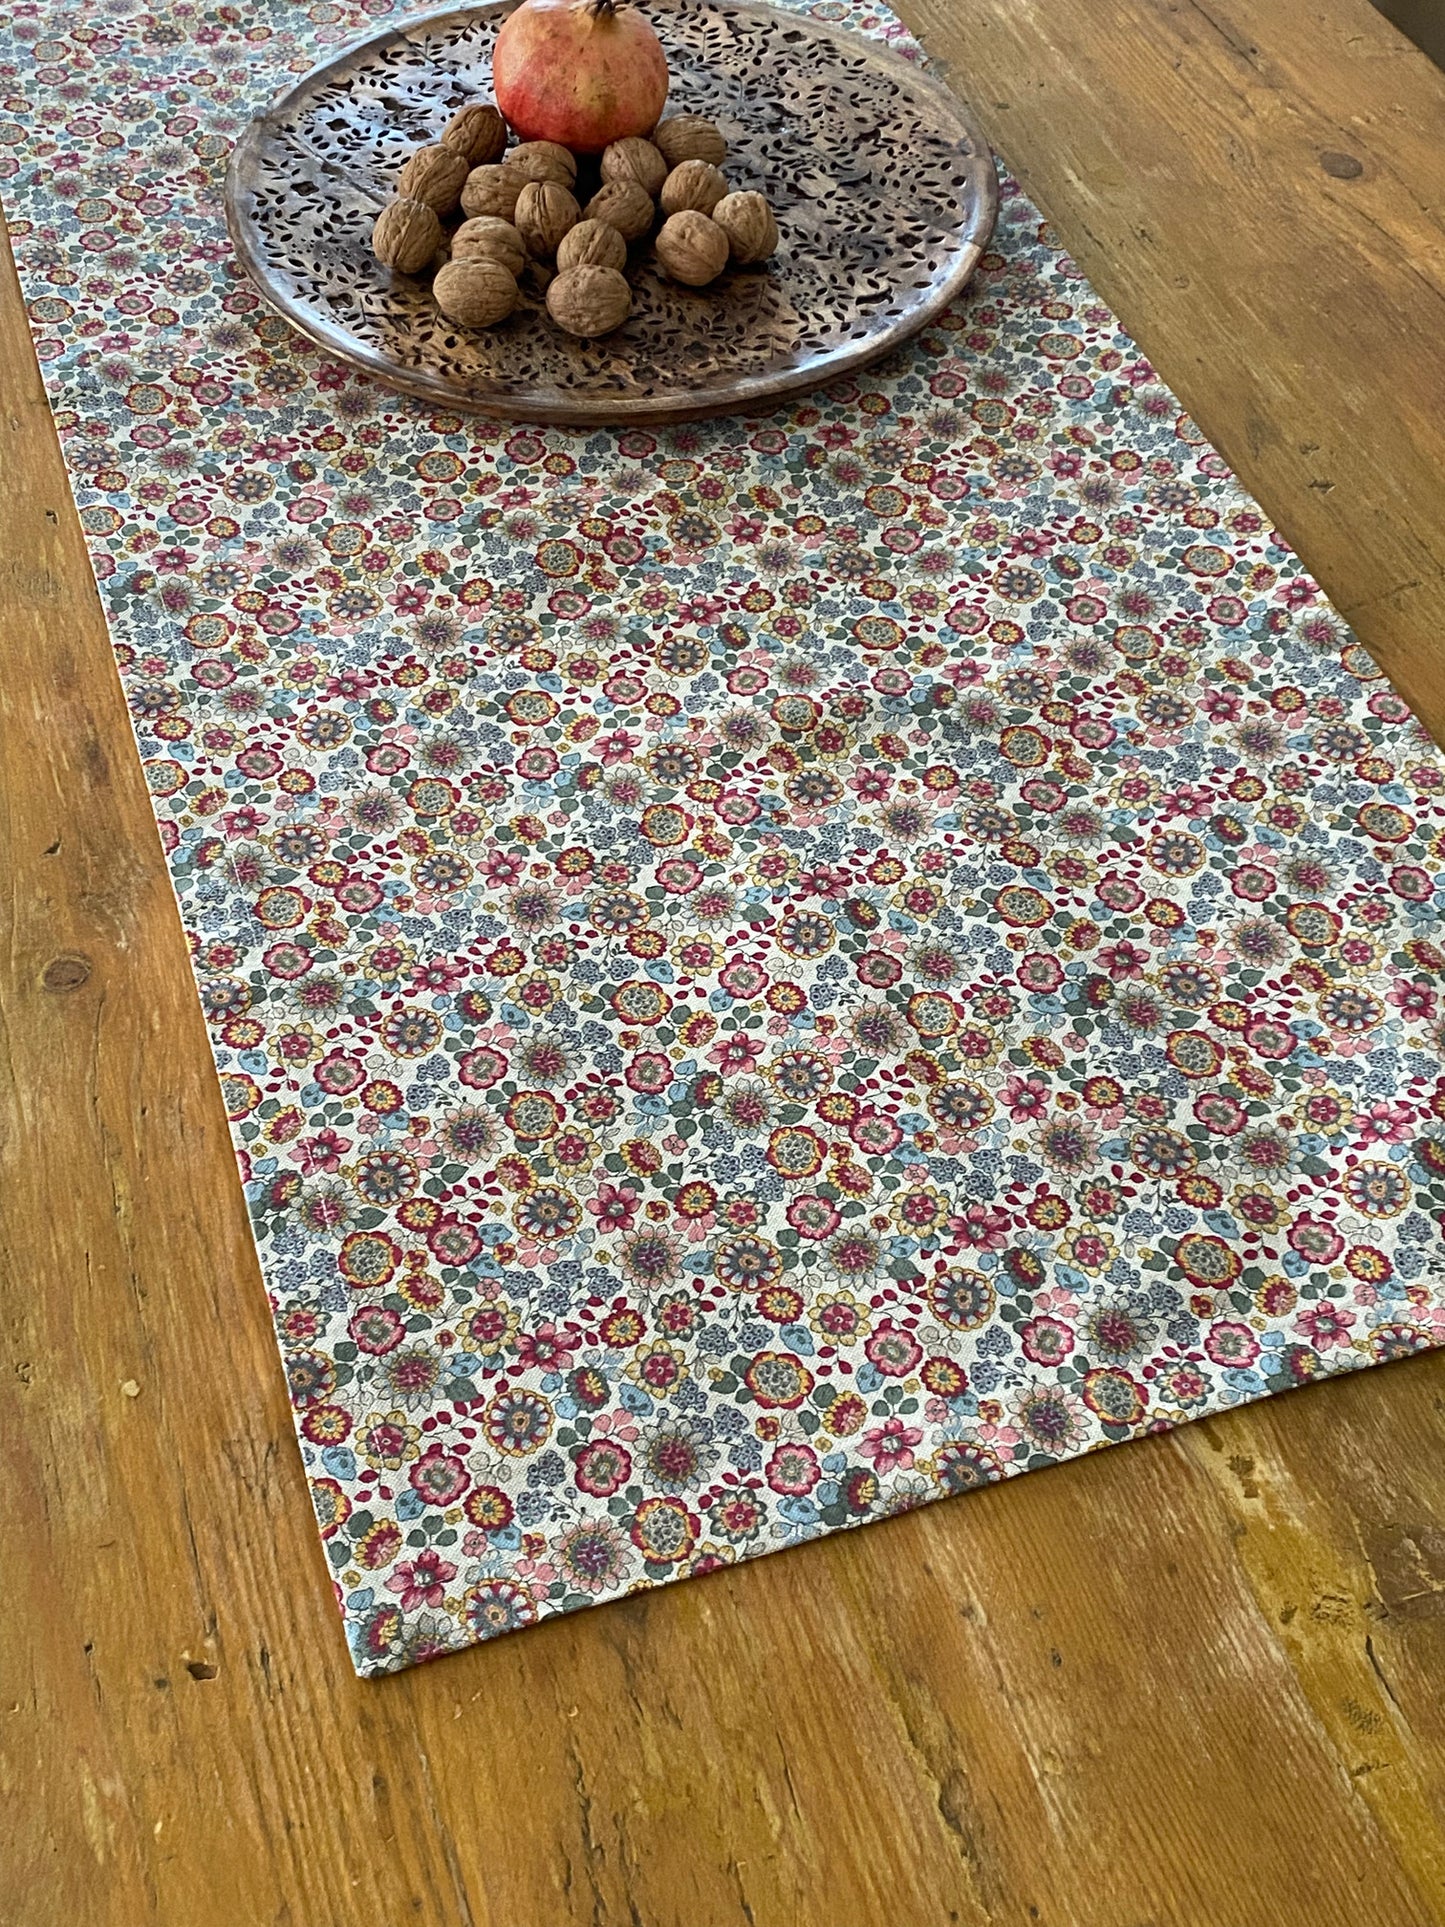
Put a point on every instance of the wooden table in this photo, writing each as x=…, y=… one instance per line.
x=1194, y=1682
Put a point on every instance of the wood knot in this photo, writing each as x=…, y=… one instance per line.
x=1343, y=167
x=65, y=973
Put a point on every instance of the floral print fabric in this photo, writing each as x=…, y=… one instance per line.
x=763, y=973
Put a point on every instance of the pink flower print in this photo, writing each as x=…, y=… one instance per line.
x=1057, y=1303
x=1325, y=1325
x=615, y=1425
x=1190, y=799
x=873, y=785
x=422, y=1581
x=541, y=1571
x=1298, y=593
x=736, y=1053
x=501, y=867
x=615, y=1206
x=1123, y=960
x=439, y=1477
x=747, y=528
x=702, y=608
x=890, y=1445
x=245, y=821
x=1413, y=1000
x=793, y=1469
x=549, y=1348
x=1220, y=705
x=995, y=1433
x=1033, y=542
x=983, y=1227
x=439, y=974
x=1026, y=1097
x=963, y=675
x=323, y=1152
x=1046, y=1341
x=1385, y=1122
x=825, y=880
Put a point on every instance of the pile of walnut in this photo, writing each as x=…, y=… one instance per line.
x=523, y=222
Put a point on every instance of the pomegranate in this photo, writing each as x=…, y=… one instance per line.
x=583, y=73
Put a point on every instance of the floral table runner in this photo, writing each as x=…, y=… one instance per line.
x=763, y=973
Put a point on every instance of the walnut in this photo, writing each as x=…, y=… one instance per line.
x=476, y=132
x=624, y=205
x=635, y=160
x=543, y=161
x=488, y=239
x=692, y=248
x=693, y=184
x=688, y=137
x=476, y=294
x=406, y=235
x=589, y=301
x=492, y=190
x=545, y=211
x=747, y=221
x=592, y=244
x=435, y=175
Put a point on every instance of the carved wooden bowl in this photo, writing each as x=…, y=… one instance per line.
x=883, y=186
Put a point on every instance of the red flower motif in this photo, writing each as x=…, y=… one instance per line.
x=422, y=1581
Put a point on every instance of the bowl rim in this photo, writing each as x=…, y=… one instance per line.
x=569, y=408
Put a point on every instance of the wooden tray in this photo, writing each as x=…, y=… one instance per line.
x=883, y=186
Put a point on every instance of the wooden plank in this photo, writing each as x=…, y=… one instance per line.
x=1194, y=1680
x=1258, y=188
x=1422, y=20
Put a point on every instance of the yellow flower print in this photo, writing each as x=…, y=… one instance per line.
x=387, y=1440
x=1089, y=1248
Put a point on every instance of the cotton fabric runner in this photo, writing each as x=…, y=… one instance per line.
x=763, y=973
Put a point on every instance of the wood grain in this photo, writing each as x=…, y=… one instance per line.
x=1257, y=187
x=1192, y=1682
x=1422, y=21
